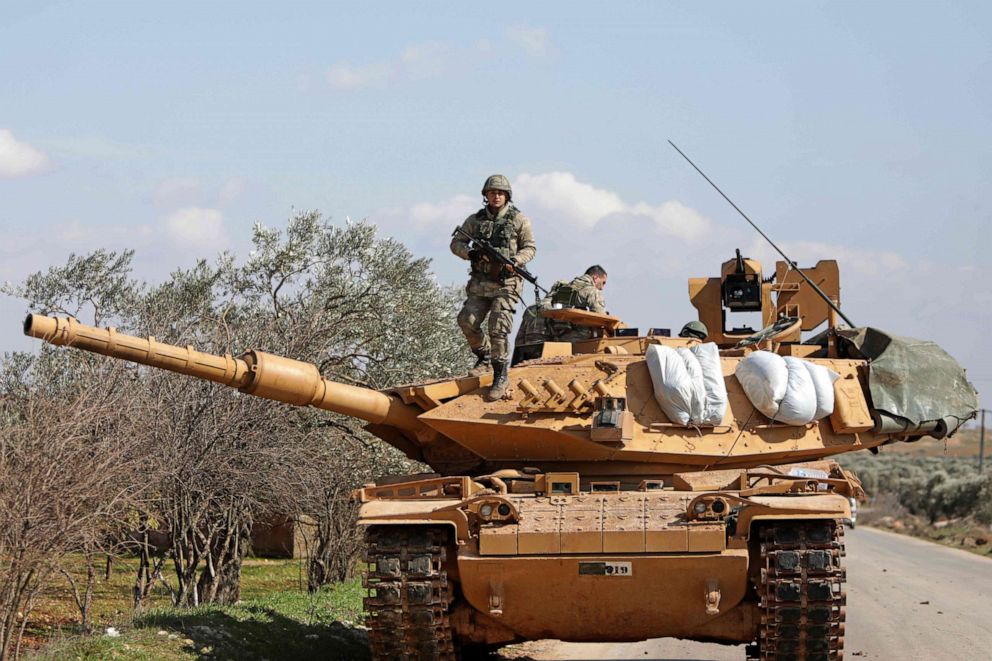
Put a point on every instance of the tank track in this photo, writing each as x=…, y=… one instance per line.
x=801, y=591
x=406, y=610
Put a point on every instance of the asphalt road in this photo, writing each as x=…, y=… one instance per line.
x=907, y=599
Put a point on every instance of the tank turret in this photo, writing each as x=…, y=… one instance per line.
x=591, y=406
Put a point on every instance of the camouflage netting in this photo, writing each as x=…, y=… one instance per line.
x=915, y=385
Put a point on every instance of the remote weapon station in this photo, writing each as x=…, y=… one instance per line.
x=631, y=485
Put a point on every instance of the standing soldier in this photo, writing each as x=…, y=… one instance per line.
x=493, y=289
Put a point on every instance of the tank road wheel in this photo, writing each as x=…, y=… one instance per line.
x=406, y=610
x=801, y=592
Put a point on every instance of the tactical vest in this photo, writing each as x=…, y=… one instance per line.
x=565, y=295
x=499, y=233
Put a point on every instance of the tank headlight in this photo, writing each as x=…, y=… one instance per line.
x=486, y=511
x=699, y=507
x=504, y=509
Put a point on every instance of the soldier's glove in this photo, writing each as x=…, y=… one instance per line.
x=477, y=255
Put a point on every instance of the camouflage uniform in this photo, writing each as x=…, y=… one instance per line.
x=509, y=231
x=583, y=296
x=580, y=293
x=534, y=327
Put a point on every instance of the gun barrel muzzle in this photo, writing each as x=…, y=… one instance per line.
x=225, y=369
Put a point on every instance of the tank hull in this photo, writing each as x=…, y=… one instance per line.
x=757, y=564
x=655, y=596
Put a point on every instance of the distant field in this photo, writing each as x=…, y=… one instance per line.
x=929, y=489
x=962, y=444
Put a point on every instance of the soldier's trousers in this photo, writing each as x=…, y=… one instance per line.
x=495, y=301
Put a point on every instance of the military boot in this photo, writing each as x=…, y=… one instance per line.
x=482, y=364
x=500, y=382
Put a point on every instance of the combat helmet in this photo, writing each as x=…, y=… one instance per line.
x=498, y=182
x=696, y=329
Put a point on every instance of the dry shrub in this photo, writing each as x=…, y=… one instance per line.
x=66, y=481
x=207, y=459
x=930, y=487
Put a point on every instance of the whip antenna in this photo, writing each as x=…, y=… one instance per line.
x=791, y=263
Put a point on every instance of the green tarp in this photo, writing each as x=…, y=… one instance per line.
x=915, y=385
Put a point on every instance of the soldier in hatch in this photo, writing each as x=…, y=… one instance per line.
x=584, y=292
x=493, y=289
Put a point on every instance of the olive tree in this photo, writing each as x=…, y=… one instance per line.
x=360, y=307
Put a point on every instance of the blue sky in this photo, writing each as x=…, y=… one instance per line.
x=848, y=130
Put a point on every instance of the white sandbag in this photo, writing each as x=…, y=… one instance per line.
x=764, y=378
x=799, y=404
x=695, y=372
x=672, y=385
x=787, y=389
x=715, y=406
x=823, y=382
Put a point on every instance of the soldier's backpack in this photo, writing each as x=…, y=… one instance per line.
x=564, y=295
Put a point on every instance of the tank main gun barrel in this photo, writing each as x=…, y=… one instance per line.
x=256, y=372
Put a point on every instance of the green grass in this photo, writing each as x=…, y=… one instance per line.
x=276, y=619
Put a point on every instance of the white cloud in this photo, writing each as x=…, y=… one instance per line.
x=561, y=199
x=346, y=76
x=561, y=196
x=674, y=218
x=197, y=227
x=449, y=212
x=416, y=61
x=533, y=41
x=232, y=189
x=18, y=159
x=853, y=260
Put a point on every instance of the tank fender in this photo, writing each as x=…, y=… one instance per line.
x=457, y=514
x=447, y=522
x=408, y=522
x=762, y=508
x=430, y=513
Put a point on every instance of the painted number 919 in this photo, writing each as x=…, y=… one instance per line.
x=605, y=568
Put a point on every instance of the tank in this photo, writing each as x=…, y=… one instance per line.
x=576, y=509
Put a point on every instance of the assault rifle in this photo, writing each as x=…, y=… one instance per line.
x=494, y=255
